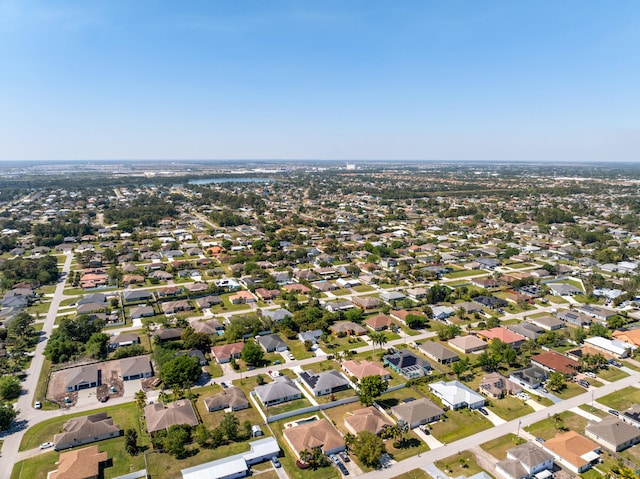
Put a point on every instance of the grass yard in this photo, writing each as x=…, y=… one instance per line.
x=287, y=407
x=341, y=292
x=572, y=389
x=593, y=410
x=298, y=350
x=459, y=424
x=338, y=414
x=622, y=399
x=43, y=385
x=327, y=398
x=415, y=474
x=556, y=299
x=461, y=464
x=412, y=445
x=465, y=273
x=36, y=467
x=630, y=366
x=510, y=407
x=550, y=427
x=363, y=288
x=341, y=344
x=392, y=399
x=498, y=447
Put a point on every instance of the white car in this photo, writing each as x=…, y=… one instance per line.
x=590, y=374
x=37, y=405
x=46, y=445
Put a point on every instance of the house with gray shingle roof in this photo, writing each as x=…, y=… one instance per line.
x=326, y=382
x=272, y=342
x=279, y=391
x=613, y=434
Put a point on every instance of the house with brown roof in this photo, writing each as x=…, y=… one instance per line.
x=552, y=361
x=242, y=297
x=631, y=337
x=297, y=288
x=318, y=434
x=364, y=368
x=347, y=327
x=367, y=419
x=401, y=315
x=366, y=302
x=468, y=344
x=575, y=452
x=80, y=464
x=495, y=385
x=418, y=412
x=231, y=398
x=159, y=417
x=225, y=352
x=514, y=340
x=84, y=430
x=437, y=352
x=379, y=322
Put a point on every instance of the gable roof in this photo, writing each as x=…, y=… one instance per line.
x=455, y=393
x=556, y=361
x=137, y=365
x=80, y=428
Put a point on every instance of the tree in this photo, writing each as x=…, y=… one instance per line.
x=556, y=381
x=378, y=338
x=460, y=367
x=355, y=315
x=131, y=442
x=368, y=447
x=229, y=426
x=314, y=457
x=597, y=329
x=180, y=371
x=7, y=415
x=191, y=339
x=10, y=387
x=96, y=347
x=141, y=399
x=174, y=442
x=415, y=321
x=579, y=335
x=252, y=353
x=370, y=387
x=202, y=435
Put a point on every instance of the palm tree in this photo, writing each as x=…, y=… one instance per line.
x=141, y=399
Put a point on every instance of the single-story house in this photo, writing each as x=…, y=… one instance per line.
x=364, y=368
x=272, y=342
x=495, y=385
x=418, y=412
x=526, y=461
x=347, y=327
x=379, y=322
x=225, y=352
x=531, y=376
x=367, y=419
x=323, y=383
x=407, y=363
x=123, y=339
x=552, y=361
x=613, y=434
x=456, y=395
x=318, y=434
x=136, y=367
x=82, y=377
x=281, y=390
x=178, y=412
x=508, y=337
x=84, y=430
x=575, y=452
x=438, y=352
x=85, y=463
x=231, y=398
x=608, y=346
x=468, y=344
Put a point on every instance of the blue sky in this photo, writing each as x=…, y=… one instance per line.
x=511, y=80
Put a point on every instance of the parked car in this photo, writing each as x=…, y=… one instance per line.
x=46, y=445
x=614, y=412
x=483, y=411
x=544, y=390
x=223, y=384
x=275, y=462
x=617, y=364
x=334, y=458
x=104, y=398
x=583, y=383
x=590, y=374
x=345, y=456
x=37, y=405
x=539, y=439
x=343, y=469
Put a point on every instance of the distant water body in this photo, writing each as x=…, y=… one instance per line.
x=208, y=181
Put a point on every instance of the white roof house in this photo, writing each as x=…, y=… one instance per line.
x=615, y=347
x=456, y=395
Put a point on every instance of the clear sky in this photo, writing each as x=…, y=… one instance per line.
x=514, y=80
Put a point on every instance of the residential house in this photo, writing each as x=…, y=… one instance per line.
x=468, y=344
x=336, y=306
x=528, y=330
x=563, y=289
x=231, y=398
x=379, y=322
x=208, y=301
x=312, y=336
x=613, y=434
x=136, y=367
x=469, y=307
x=267, y=294
x=136, y=296
x=82, y=377
x=168, y=334
x=507, y=337
x=367, y=419
x=348, y=328
x=325, y=382
x=574, y=318
x=418, y=412
x=631, y=336
x=172, y=307
x=438, y=352
x=225, y=352
x=597, y=312
x=575, y=452
x=364, y=368
x=86, y=463
x=401, y=315
x=407, y=364
x=441, y=313
x=611, y=347
x=212, y=326
x=318, y=434
x=490, y=302
x=123, y=339
x=277, y=315
x=277, y=392
x=242, y=297
x=632, y=415
x=526, y=461
x=84, y=430
x=138, y=312
x=495, y=385
x=366, y=302
x=552, y=361
x=531, y=376
x=272, y=343
x=548, y=323
x=159, y=417
x=456, y=395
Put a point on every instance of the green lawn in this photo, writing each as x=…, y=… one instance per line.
x=35, y=467
x=622, y=399
x=465, y=273
x=556, y=299
x=363, y=288
x=510, y=407
x=612, y=374
x=593, y=410
x=288, y=406
x=549, y=428
x=498, y=447
x=461, y=464
x=335, y=344
x=414, y=474
x=297, y=349
x=459, y=424
x=412, y=446
x=341, y=292
x=572, y=389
